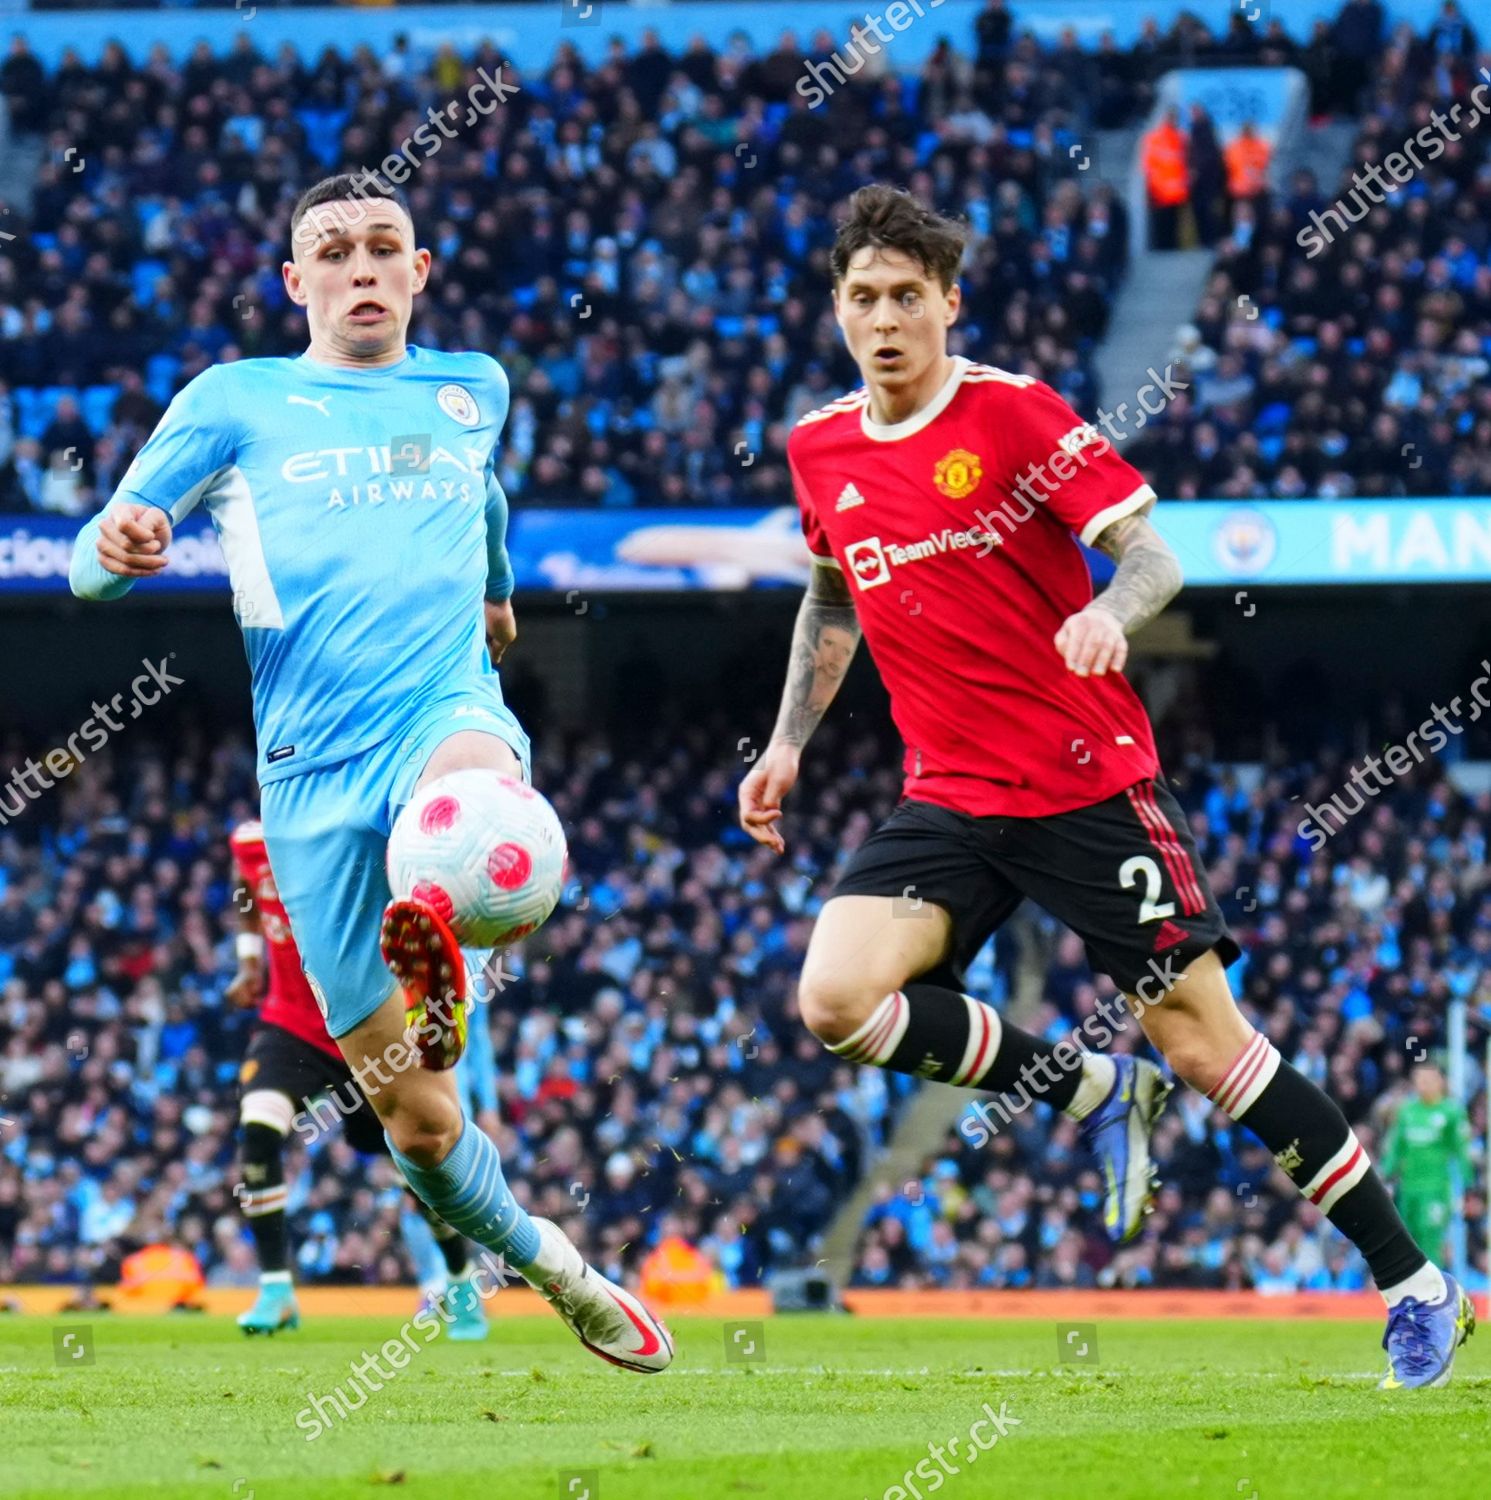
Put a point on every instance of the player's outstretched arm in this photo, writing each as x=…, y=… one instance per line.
x=823, y=644
x=193, y=445
x=1095, y=640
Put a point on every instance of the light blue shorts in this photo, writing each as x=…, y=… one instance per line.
x=327, y=832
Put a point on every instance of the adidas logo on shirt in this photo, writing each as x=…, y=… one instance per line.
x=849, y=497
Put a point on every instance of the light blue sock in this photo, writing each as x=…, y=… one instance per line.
x=470, y=1193
x=419, y=1241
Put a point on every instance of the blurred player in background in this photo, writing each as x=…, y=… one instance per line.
x=290, y=1061
x=354, y=492
x=941, y=503
x=1428, y=1144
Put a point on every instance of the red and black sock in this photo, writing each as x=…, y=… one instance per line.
x=939, y=1034
x=1319, y=1152
x=262, y=1194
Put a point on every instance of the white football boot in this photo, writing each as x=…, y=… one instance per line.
x=607, y=1319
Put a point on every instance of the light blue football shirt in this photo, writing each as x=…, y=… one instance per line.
x=362, y=525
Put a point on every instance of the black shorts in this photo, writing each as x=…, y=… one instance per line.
x=1122, y=874
x=279, y=1060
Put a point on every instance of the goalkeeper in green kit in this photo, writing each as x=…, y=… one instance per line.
x=1429, y=1135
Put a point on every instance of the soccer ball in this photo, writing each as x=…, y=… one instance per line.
x=483, y=850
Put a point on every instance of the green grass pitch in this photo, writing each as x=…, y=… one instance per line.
x=822, y=1408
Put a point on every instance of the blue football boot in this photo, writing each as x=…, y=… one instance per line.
x=1117, y=1133
x=273, y=1310
x=1422, y=1337
x=468, y=1317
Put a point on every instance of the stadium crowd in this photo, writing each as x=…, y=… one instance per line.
x=654, y=1080
x=643, y=245
x=1343, y=344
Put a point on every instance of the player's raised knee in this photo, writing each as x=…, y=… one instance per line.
x=425, y=1132
x=835, y=1006
x=1195, y=1060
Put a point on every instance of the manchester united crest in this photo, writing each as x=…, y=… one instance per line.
x=958, y=473
x=1289, y=1160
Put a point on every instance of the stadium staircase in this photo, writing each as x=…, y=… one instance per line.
x=921, y=1129
x=1160, y=293
x=1325, y=150
x=20, y=160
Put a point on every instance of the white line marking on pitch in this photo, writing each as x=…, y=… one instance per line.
x=982, y=1374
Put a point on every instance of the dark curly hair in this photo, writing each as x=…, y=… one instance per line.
x=896, y=220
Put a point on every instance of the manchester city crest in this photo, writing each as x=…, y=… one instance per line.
x=458, y=404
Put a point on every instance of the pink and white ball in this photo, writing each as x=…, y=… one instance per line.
x=483, y=850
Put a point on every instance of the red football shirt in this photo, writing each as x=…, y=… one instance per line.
x=288, y=1001
x=957, y=529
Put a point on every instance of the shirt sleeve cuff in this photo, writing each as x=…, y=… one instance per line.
x=86, y=576
x=826, y=562
x=1099, y=523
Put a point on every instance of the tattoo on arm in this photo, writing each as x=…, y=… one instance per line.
x=1148, y=575
x=823, y=645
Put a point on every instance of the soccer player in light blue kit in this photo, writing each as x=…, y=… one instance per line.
x=352, y=489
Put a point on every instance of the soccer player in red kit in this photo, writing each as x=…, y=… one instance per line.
x=291, y=1059
x=942, y=502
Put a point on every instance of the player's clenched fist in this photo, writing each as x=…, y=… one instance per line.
x=1092, y=642
x=761, y=793
x=246, y=988
x=132, y=540
x=502, y=628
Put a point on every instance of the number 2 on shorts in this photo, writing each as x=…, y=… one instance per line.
x=1129, y=872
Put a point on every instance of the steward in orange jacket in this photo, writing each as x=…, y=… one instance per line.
x=1164, y=159
x=1247, y=157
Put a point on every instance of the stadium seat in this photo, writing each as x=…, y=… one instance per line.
x=97, y=404
x=161, y=371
